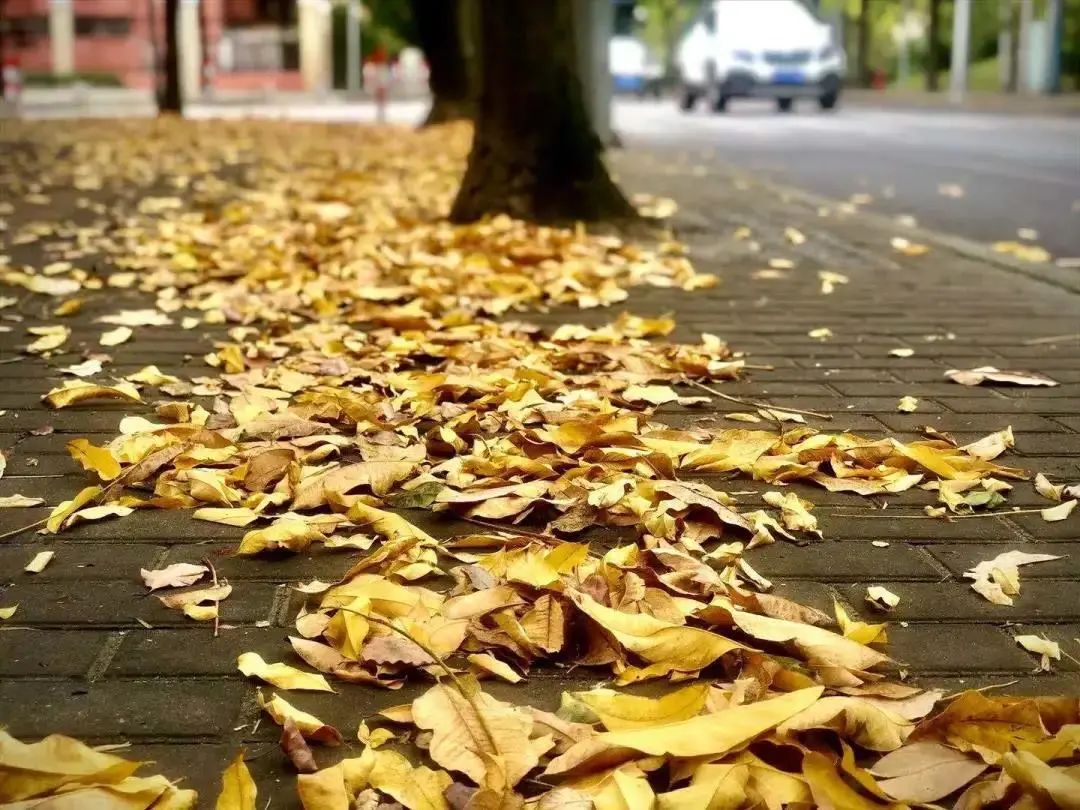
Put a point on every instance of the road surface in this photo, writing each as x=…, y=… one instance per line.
x=1013, y=172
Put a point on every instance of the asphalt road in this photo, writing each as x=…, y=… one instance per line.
x=1013, y=172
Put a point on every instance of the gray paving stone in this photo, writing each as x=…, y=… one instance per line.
x=121, y=709
x=35, y=652
x=955, y=648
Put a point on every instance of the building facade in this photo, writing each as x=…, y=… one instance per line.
x=224, y=44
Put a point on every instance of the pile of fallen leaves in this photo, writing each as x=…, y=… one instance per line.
x=364, y=372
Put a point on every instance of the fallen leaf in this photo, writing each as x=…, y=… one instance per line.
x=901, y=352
x=907, y=405
x=311, y=727
x=1050, y=787
x=7, y=613
x=1059, y=512
x=72, y=393
x=19, y=501
x=238, y=789
x=881, y=598
x=177, y=575
x=997, y=580
x=99, y=460
x=977, y=376
x=41, y=559
x=114, y=337
x=1041, y=646
x=295, y=747
x=280, y=675
x=925, y=771
x=618, y=711
x=472, y=734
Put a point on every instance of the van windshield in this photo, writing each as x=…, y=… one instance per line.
x=764, y=15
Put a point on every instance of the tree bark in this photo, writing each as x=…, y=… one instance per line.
x=171, y=100
x=439, y=27
x=534, y=153
x=932, y=38
x=864, y=43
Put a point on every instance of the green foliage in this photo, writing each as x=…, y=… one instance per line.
x=387, y=25
x=44, y=79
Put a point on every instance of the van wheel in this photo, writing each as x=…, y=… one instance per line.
x=718, y=103
x=687, y=98
x=828, y=101
x=785, y=104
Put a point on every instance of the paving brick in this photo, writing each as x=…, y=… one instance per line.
x=920, y=601
x=960, y=558
x=841, y=525
x=34, y=652
x=1034, y=526
x=150, y=652
x=122, y=604
x=842, y=562
x=948, y=648
x=160, y=707
x=80, y=562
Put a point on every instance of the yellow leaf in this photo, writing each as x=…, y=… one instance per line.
x=667, y=646
x=711, y=735
x=8, y=612
x=324, y=790
x=491, y=665
x=71, y=393
x=97, y=459
x=712, y=787
x=66, y=509
x=417, y=788
x=618, y=711
x=386, y=524
x=237, y=787
x=114, y=337
x=475, y=734
x=280, y=675
x=285, y=533
x=1052, y=787
x=867, y=724
x=625, y=791
x=34, y=769
x=201, y=613
x=830, y=790
x=308, y=724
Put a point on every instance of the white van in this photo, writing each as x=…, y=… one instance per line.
x=759, y=48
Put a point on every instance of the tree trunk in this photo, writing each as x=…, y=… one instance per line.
x=932, y=38
x=171, y=101
x=440, y=28
x=864, y=43
x=534, y=154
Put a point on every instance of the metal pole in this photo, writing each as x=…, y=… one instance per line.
x=903, y=67
x=1024, y=48
x=1055, y=18
x=353, y=56
x=959, y=65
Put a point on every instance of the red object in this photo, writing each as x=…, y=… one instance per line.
x=12, y=78
x=878, y=79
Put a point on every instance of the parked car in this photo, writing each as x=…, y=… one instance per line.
x=759, y=48
x=633, y=70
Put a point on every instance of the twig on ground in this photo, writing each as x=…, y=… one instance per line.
x=751, y=403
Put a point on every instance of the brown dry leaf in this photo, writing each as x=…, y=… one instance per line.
x=179, y=601
x=295, y=747
x=177, y=575
x=977, y=376
x=870, y=725
x=925, y=771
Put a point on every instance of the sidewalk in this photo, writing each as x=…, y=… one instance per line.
x=90, y=655
x=1063, y=104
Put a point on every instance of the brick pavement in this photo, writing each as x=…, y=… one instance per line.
x=90, y=655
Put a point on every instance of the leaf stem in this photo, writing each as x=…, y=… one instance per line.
x=751, y=403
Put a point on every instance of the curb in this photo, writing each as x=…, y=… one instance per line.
x=1042, y=271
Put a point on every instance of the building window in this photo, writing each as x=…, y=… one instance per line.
x=102, y=26
x=25, y=31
